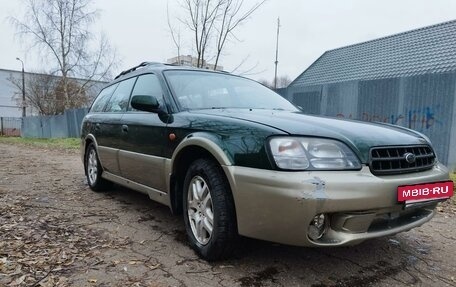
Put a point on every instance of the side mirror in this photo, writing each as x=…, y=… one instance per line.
x=145, y=103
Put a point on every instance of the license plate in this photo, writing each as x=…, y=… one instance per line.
x=425, y=191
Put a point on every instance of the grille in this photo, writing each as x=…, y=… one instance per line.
x=392, y=160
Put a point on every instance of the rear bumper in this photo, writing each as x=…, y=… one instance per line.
x=279, y=206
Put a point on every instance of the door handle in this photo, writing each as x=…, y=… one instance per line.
x=97, y=126
x=125, y=128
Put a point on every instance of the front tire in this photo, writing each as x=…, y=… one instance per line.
x=209, y=212
x=94, y=170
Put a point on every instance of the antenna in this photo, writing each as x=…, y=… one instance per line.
x=277, y=54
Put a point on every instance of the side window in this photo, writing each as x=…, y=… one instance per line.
x=149, y=85
x=119, y=100
x=102, y=98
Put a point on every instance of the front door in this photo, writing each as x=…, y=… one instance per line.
x=144, y=138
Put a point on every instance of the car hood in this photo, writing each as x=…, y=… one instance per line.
x=361, y=136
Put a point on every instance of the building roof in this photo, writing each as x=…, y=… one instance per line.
x=430, y=49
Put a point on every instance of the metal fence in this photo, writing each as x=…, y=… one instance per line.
x=282, y=92
x=10, y=126
x=67, y=125
x=425, y=103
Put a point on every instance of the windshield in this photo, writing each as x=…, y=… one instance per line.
x=205, y=90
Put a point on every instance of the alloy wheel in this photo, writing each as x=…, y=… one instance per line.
x=200, y=210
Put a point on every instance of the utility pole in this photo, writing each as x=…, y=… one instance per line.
x=277, y=54
x=23, y=88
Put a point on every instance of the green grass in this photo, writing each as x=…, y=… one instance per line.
x=64, y=143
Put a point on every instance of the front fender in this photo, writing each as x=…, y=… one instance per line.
x=210, y=142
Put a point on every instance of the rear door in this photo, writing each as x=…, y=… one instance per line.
x=110, y=128
x=95, y=118
x=144, y=133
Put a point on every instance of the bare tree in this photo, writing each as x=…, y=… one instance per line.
x=44, y=93
x=60, y=30
x=266, y=83
x=38, y=92
x=282, y=82
x=232, y=16
x=175, y=35
x=213, y=22
x=249, y=71
x=200, y=19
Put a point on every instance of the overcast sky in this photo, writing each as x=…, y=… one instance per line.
x=138, y=29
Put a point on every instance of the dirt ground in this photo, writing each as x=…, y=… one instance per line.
x=54, y=231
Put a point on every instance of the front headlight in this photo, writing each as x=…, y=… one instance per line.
x=298, y=153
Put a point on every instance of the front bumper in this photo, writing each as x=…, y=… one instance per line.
x=278, y=206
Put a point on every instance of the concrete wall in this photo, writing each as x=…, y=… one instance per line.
x=8, y=105
x=425, y=103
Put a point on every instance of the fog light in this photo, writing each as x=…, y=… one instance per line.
x=317, y=227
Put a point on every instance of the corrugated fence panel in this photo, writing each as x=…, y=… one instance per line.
x=378, y=100
x=74, y=119
x=428, y=108
x=452, y=142
x=307, y=98
x=282, y=92
x=32, y=127
x=342, y=100
x=45, y=127
x=72, y=126
x=309, y=102
x=58, y=126
x=79, y=116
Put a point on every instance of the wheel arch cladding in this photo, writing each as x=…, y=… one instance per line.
x=188, y=151
x=87, y=142
x=89, y=139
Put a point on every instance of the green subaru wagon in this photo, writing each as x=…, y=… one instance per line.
x=237, y=159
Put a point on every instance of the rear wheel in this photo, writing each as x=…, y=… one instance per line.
x=94, y=170
x=209, y=213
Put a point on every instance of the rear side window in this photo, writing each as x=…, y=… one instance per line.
x=149, y=85
x=103, y=98
x=119, y=100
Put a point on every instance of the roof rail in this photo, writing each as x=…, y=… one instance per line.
x=143, y=64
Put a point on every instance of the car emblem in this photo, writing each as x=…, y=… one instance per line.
x=409, y=157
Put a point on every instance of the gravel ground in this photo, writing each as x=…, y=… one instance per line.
x=54, y=231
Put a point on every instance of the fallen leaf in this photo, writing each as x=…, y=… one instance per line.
x=18, y=281
x=153, y=267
